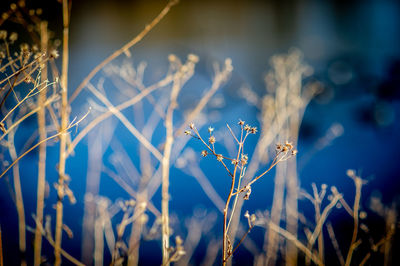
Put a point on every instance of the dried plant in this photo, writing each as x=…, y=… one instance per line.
x=152, y=112
x=239, y=162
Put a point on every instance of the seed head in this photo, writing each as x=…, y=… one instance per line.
x=253, y=130
x=13, y=37
x=219, y=157
x=191, y=125
x=279, y=147
x=204, y=153
x=210, y=130
x=211, y=140
x=54, y=53
x=188, y=132
x=247, y=128
x=248, y=192
x=193, y=58
x=351, y=173
x=241, y=122
x=294, y=152
x=3, y=34
x=289, y=145
x=244, y=159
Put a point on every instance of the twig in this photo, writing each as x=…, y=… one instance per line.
x=40, y=142
x=18, y=198
x=335, y=244
x=119, y=107
x=63, y=137
x=42, y=151
x=169, y=139
x=124, y=48
x=354, y=243
x=126, y=122
x=296, y=242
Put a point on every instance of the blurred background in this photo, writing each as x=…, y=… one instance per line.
x=352, y=123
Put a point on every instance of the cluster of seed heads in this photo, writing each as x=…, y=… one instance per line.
x=286, y=148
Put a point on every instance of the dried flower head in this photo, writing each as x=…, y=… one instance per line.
x=13, y=37
x=363, y=215
x=54, y=53
x=241, y=122
x=210, y=130
x=191, y=126
x=188, y=132
x=193, y=58
x=204, y=153
x=247, y=128
x=211, y=140
x=350, y=173
x=172, y=58
x=289, y=145
x=248, y=192
x=294, y=152
x=244, y=159
x=219, y=157
x=253, y=218
x=3, y=34
x=253, y=130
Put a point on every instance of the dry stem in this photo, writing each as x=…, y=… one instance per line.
x=165, y=166
x=124, y=48
x=63, y=137
x=18, y=197
x=358, y=182
x=42, y=151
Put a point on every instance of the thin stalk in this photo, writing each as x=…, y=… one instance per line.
x=124, y=48
x=225, y=254
x=166, y=165
x=63, y=137
x=117, y=108
x=42, y=151
x=356, y=207
x=32, y=112
x=296, y=242
x=38, y=144
x=19, y=199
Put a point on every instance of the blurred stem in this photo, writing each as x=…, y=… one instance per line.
x=63, y=137
x=124, y=48
x=166, y=165
x=18, y=197
x=42, y=150
x=356, y=207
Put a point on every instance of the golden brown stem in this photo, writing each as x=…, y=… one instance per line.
x=225, y=254
x=19, y=199
x=63, y=137
x=42, y=151
x=356, y=207
x=165, y=167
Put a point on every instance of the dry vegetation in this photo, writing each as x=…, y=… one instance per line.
x=34, y=87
